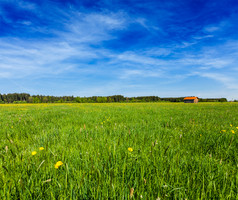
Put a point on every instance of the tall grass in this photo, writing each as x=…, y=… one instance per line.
x=179, y=151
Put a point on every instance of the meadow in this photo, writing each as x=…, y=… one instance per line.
x=119, y=151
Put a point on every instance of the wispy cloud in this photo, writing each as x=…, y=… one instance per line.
x=21, y=58
x=134, y=73
x=228, y=81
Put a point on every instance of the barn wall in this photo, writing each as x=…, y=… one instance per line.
x=189, y=101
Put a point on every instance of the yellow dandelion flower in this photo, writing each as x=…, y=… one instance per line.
x=237, y=127
x=232, y=131
x=33, y=153
x=200, y=135
x=59, y=163
x=223, y=130
x=230, y=125
x=130, y=149
x=41, y=148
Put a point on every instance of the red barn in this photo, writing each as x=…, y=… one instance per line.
x=190, y=100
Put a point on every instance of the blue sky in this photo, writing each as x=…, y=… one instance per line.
x=165, y=48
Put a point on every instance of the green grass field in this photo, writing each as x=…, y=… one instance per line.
x=176, y=151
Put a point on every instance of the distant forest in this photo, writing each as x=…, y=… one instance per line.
x=27, y=98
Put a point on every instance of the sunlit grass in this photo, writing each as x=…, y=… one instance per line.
x=119, y=151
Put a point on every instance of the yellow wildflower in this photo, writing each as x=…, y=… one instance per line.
x=223, y=130
x=130, y=149
x=59, y=163
x=237, y=127
x=230, y=125
x=232, y=131
x=33, y=153
x=41, y=148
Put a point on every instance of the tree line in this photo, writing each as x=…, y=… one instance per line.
x=27, y=98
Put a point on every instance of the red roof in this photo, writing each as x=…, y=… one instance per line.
x=189, y=98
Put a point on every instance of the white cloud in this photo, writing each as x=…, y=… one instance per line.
x=26, y=5
x=140, y=59
x=211, y=29
x=132, y=73
x=228, y=81
x=92, y=28
x=22, y=58
x=203, y=37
